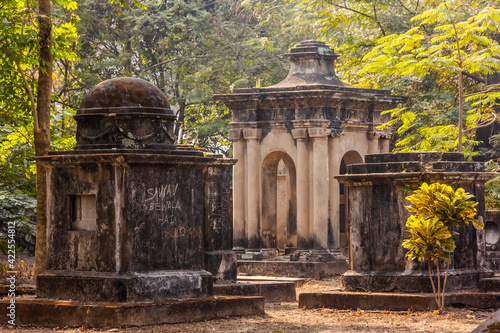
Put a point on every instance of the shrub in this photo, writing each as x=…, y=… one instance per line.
x=436, y=209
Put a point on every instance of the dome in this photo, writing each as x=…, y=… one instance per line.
x=125, y=92
x=125, y=113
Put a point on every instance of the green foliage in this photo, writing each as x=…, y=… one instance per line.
x=437, y=208
x=448, y=40
x=19, y=210
x=442, y=202
x=19, y=73
x=492, y=187
x=429, y=239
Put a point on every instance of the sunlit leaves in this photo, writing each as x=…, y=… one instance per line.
x=449, y=37
x=442, y=202
x=429, y=239
x=437, y=209
x=19, y=50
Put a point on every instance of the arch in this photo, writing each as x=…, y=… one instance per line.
x=350, y=157
x=278, y=181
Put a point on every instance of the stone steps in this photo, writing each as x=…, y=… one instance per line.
x=490, y=284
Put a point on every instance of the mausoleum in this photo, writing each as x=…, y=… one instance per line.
x=138, y=229
x=290, y=140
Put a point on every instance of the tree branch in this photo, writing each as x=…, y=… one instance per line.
x=406, y=8
x=495, y=88
x=360, y=13
x=484, y=124
x=474, y=77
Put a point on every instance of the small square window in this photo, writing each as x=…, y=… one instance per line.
x=84, y=216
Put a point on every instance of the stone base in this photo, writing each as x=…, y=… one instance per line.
x=395, y=301
x=52, y=313
x=271, y=291
x=407, y=282
x=222, y=265
x=131, y=287
x=298, y=269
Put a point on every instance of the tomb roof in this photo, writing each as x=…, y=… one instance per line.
x=125, y=92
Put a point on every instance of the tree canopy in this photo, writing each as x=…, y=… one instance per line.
x=439, y=53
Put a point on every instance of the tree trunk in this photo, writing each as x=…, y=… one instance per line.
x=42, y=132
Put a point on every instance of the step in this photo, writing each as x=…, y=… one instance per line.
x=271, y=291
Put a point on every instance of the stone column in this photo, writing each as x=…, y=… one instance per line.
x=334, y=162
x=239, y=213
x=385, y=143
x=252, y=137
x=373, y=142
x=320, y=184
x=302, y=167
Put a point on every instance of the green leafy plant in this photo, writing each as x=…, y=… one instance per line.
x=436, y=209
x=19, y=210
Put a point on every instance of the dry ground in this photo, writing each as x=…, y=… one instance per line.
x=286, y=317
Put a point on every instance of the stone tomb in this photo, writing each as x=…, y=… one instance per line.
x=134, y=219
x=377, y=215
x=290, y=140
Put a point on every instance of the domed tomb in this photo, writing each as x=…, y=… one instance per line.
x=125, y=113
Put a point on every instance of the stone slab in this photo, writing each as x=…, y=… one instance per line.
x=252, y=278
x=407, y=281
x=123, y=287
x=298, y=269
x=53, y=313
x=271, y=291
x=396, y=301
x=22, y=289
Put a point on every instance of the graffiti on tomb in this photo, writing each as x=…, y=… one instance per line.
x=163, y=199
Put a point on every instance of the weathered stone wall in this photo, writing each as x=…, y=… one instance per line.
x=376, y=192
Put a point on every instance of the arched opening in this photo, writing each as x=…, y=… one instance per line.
x=279, y=204
x=351, y=157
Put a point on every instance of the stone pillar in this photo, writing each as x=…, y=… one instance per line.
x=303, y=238
x=239, y=190
x=334, y=195
x=385, y=143
x=252, y=137
x=320, y=188
x=373, y=140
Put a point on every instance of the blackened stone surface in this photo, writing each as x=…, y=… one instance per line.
x=414, y=157
x=55, y=313
x=398, y=302
x=416, y=281
x=125, y=113
x=125, y=92
x=124, y=287
x=489, y=241
x=377, y=215
x=150, y=239
x=164, y=214
x=220, y=260
x=271, y=291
